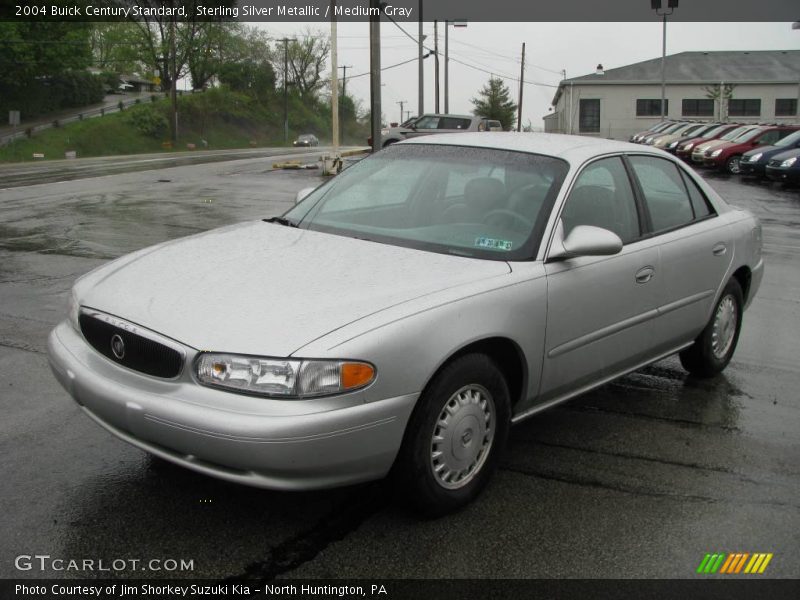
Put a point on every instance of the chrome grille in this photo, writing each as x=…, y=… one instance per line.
x=131, y=346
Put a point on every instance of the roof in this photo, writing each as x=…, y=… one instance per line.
x=728, y=66
x=568, y=147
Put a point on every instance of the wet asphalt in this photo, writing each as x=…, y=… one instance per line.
x=640, y=478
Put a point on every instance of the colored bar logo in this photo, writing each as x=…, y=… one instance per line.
x=734, y=563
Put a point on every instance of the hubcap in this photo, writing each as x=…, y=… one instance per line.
x=733, y=165
x=462, y=436
x=724, y=328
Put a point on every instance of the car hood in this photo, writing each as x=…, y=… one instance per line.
x=262, y=288
x=712, y=145
x=781, y=156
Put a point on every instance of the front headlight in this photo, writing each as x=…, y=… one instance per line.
x=755, y=157
x=73, y=311
x=673, y=145
x=688, y=147
x=789, y=162
x=649, y=141
x=716, y=153
x=282, y=378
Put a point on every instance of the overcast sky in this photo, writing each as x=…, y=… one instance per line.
x=550, y=47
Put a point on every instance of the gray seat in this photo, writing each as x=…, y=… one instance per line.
x=591, y=205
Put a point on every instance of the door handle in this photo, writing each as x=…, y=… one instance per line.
x=645, y=274
x=719, y=249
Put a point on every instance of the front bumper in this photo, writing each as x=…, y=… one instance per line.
x=783, y=174
x=286, y=445
x=755, y=169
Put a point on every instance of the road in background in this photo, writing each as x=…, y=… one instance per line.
x=640, y=478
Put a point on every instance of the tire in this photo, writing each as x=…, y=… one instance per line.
x=732, y=165
x=455, y=436
x=714, y=347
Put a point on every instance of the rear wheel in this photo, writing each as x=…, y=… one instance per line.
x=714, y=347
x=733, y=165
x=455, y=436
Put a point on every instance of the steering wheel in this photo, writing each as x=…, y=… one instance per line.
x=503, y=217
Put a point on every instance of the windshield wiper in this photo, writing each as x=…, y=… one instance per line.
x=281, y=221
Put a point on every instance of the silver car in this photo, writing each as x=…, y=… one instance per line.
x=401, y=316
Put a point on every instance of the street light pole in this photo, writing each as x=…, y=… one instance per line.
x=454, y=23
x=436, y=64
x=656, y=6
x=421, y=84
x=285, y=89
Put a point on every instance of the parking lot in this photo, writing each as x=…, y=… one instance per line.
x=640, y=478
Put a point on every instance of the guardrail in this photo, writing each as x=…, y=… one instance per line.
x=27, y=132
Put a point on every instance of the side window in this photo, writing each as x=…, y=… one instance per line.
x=664, y=192
x=699, y=201
x=427, y=123
x=769, y=138
x=453, y=123
x=602, y=197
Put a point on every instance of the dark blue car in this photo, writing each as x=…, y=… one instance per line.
x=785, y=167
x=754, y=162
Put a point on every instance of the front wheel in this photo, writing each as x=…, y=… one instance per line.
x=714, y=347
x=455, y=436
x=733, y=165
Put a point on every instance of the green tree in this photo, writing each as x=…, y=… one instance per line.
x=31, y=54
x=307, y=58
x=494, y=102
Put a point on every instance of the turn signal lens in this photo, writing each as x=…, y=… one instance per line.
x=355, y=375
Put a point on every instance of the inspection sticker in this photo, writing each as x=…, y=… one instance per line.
x=492, y=244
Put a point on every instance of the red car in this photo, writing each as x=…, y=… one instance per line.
x=684, y=148
x=727, y=156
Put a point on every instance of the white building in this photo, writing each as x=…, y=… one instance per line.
x=742, y=86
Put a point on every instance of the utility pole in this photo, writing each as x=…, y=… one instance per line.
x=344, y=92
x=421, y=84
x=344, y=78
x=173, y=93
x=446, y=69
x=521, y=85
x=401, y=103
x=375, y=73
x=334, y=83
x=285, y=89
x=436, y=63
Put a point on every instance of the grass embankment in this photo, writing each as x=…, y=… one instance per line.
x=216, y=119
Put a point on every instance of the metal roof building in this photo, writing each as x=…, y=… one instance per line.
x=747, y=86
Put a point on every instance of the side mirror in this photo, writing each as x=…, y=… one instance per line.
x=302, y=194
x=584, y=240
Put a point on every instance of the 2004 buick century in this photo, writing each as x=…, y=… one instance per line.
x=401, y=316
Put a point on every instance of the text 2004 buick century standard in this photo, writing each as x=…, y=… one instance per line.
x=402, y=315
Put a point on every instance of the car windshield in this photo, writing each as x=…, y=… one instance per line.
x=476, y=202
x=306, y=138
x=748, y=135
x=789, y=140
x=733, y=134
x=711, y=133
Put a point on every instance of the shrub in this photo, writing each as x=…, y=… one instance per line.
x=148, y=121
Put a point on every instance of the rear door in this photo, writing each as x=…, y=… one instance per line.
x=694, y=245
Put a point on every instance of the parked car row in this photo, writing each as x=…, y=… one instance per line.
x=761, y=150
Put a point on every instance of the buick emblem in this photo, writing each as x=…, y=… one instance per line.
x=118, y=346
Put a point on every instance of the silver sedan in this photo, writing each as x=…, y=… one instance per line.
x=401, y=316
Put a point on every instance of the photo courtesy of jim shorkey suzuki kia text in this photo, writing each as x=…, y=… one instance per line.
x=238, y=590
